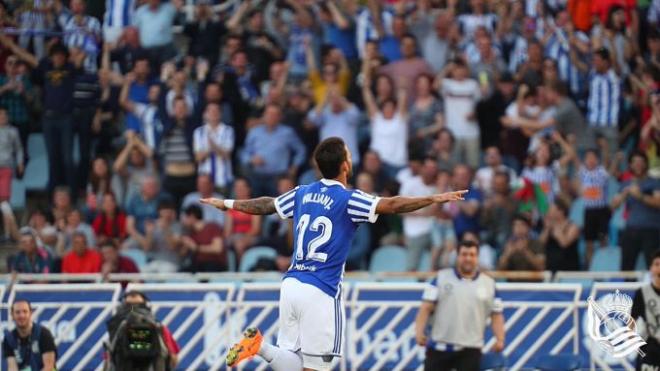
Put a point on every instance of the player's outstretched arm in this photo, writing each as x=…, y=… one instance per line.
x=254, y=206
x=400, y=204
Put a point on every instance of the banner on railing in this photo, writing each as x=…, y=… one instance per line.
x=206, y=318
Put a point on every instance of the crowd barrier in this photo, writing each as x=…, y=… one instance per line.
x=205, y=318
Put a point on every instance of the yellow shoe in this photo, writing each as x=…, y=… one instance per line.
x=246, y=348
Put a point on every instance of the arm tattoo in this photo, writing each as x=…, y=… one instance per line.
x=256, y=206
x=407, y=205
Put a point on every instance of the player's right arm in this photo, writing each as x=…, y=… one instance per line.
x=401, y=204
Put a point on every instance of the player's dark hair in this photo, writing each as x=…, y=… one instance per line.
x=468, y=244
x=329, y=155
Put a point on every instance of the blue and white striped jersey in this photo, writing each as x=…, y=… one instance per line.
x=604, y=99
x=326, y=216
x=118, y=13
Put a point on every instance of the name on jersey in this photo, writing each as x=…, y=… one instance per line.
x=318, y=198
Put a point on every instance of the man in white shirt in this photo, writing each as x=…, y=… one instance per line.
x=483, y=178
x=417, y=225
x=213, y=144
x=461, y=94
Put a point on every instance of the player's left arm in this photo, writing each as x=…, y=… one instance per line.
x=400, y=204
x=254, y=206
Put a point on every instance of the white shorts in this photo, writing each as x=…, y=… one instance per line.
x=311, y=321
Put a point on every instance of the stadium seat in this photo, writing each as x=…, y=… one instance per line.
x=36, y=145
x=493, y=361
x=138, y=257
x=606, y=259
x=388, y=259
x=558, y=362
x=17, y=200
x=252, y=256
x=36, y=174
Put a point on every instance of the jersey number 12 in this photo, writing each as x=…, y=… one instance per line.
x=321, y=223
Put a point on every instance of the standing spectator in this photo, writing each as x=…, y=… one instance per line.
x=57, y=77
x=132, y=165
x=117, y=18
x=560, y=239
x=373, y=166
x=443, y=237
x=110, y=223
x=86, y=94
x=15, y=96
x=426, y=117
x=592, y=184
x=483, y=178
x=389, y=129
x=162, y=242
x=603, y=105
x=641, y=196
x=31, y=258
x=408, y=67
x=417, y=225
x=29, y=346
x=143, y=208
x=390, y=45
x=522, y=252
x=81, y=32
x=435, y=43
x=488, y=114
x=242, y=230
x=149, y=123
x=203, y=243
x=213, y=144
x=338, y=29
x=271, y=150
x=642, y=307
x=81, y=258
x=335, y=77
x=461, y=300
x=115, y=263
x=337, y=117
x=205, y=189
x=498, y=210
x=205, y=33
x=11, y=155
x=126, y=52
x=154, y=21
x=461, y=94
x=477, y=17
x=466, y=216
x=176, y=154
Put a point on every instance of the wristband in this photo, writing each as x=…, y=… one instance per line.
x=229, y=204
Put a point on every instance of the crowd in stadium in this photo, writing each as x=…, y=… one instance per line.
x=548, y=111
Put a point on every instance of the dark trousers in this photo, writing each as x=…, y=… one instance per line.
x=58, y=135
x=82, y=119
x=636, y=240
x=263, y=184
x=179, y=186
x=463, y=360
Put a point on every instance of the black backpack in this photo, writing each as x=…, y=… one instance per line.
x=136, y=341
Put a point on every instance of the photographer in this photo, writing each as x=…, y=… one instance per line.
x=137, y=340
x=29, y=346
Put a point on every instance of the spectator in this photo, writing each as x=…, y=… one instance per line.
x=154, y=21
x=81, y=32
x=118, y=18
x=409, y=67
x=61, y=205
x=278, y=232
x=74, y=224
x=31, y=258
x=143, y=208
x=338, y=29
x=461, y=94
x=337, y=117
x=110, y=222
x=603, y=106
x=476, y=18
x=592, y=184
x=101, y=182
x=483, y=178
x=81, y=258
x=242, y=230
x=417, y=225
x=213, y=144
x=498, y=210
x=389, y=131
x=466, y=217
x=560, y=239
x=115, y=263
x=176, y=154
x=203, y=243
x=443, y=238
x=127, y=52
x=390, y=44
x=434, y=37
x=162, y=242
x=11, y=156
x=426, y=117
x=443, y=150
x=271, y=150
x=641, y=196
x=522, y=251
x=131, y=167
x=29, y=345
x=205, y=189
x=373, y=166
x=487, y=63
x=149, y=123
x=16, y=94
x=332, y=77
x=179, y=87
x=205, y=33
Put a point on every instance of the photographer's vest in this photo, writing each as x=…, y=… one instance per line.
x=652, y=308
x=26, y=354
